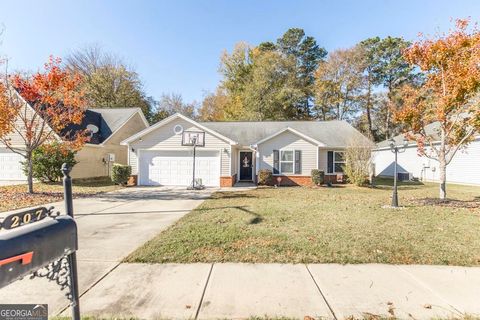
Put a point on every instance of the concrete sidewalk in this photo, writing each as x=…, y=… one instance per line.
x=213, y=291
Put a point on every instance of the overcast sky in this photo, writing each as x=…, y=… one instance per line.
x=175, y=45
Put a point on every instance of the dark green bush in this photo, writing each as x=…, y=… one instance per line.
x=318, y=177
x=265, y=177
x=121, y=173
x=47, y=161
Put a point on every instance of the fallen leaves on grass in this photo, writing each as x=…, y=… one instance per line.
x=17, y=196
x=11, y=200
x=450, y=203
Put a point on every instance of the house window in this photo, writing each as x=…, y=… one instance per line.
x=338, y=161
x=286, y=161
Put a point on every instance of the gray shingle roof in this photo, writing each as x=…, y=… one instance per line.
x=430, y=129
x=331, y=133
x=106, y=120
x=115, y=117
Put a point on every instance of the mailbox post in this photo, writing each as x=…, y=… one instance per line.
x=72, y=258
x=42, y=243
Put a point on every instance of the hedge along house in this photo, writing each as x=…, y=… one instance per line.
x=464, y=168
x=109, y=127
x=236, y=151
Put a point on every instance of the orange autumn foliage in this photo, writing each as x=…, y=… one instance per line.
x=449, y=95
x=57, y=100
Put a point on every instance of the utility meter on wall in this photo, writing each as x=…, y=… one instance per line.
x=111, y=157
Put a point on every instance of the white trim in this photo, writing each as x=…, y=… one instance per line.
x=169, y=119
x=138, y=168
x=293, y=174
x=181, y=148
x=298, y=133
x=344, y=161
x=128, y=159
x=240, y=163
x=139, y=111
x=280, y=173
x=93, y=145
x=220, y=165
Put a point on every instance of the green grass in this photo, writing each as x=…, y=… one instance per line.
x=344, y=224
x=16, y=196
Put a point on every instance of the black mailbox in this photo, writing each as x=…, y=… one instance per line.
x=30, y=247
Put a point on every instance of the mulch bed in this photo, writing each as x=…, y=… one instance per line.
x=450, y=203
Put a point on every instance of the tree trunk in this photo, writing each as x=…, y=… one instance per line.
x=30, y=172
x=388, y=123
x=368, y=109
x=443, y=179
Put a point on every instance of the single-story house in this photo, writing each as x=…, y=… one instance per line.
x=236, y=151
x=464, y=168
x=109, y=127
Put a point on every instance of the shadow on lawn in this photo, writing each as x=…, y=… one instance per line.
x=386, y=182
x=232, y=195
x=256, y=219
x=400, y=187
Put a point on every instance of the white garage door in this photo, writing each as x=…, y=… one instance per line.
x=10, y=167
x=174, y=168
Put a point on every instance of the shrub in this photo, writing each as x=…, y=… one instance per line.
x=121, y=173
x=47, y=161
x=265, y=177
x=318, y=177
x=358, y=157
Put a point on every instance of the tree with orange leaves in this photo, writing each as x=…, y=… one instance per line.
x=38, y=109
x=448, y=97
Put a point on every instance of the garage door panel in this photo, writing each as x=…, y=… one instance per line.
x=175, y=167
x=10, y=165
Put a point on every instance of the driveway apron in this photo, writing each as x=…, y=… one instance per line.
x=110, y=227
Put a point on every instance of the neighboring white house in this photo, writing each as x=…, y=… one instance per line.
x=464, y=168
x=96, y=158
x=236, y=151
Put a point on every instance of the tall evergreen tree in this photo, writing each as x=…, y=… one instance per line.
x=308, y=55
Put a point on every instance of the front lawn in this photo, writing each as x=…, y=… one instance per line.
x=344, y=224
x=16, y=196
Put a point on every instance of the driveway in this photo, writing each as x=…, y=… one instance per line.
x=110, y=227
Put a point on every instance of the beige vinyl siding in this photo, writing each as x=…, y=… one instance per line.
x=133, y=159
x=15, y=138
x=89, y=162
x=323, y=160
x=163, y=138
x=288, y=141
x=91, y=157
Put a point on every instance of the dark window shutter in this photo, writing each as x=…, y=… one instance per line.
x=330, y=162
x=276, y=163
x=298, y=161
